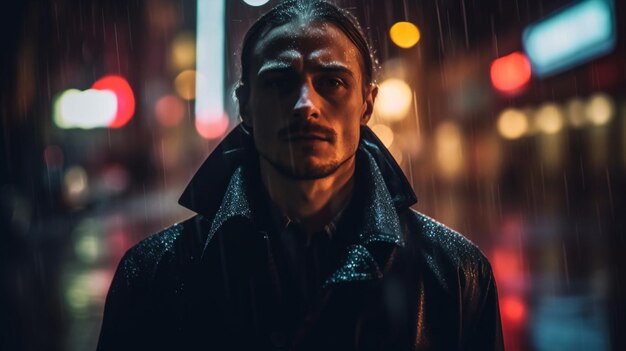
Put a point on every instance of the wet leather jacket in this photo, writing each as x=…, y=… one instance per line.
x=214, y=282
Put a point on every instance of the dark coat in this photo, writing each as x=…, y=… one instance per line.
x=214, y=282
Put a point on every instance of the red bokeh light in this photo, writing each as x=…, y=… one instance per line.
x=53, y=156
x=170, y=110
x=510, y=73
x=513, y=309
x=125, y=98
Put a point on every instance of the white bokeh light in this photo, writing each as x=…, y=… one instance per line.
x=394, y=100
x=256, y=2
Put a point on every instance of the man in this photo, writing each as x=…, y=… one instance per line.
x=304, y=238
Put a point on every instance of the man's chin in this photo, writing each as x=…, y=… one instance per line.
x=304, y=169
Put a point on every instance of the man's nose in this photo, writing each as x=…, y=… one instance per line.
x=307, y=104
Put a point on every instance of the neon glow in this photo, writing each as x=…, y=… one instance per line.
x=510, y=73
x=572, y=36
x=211, y=118
x=125, y=98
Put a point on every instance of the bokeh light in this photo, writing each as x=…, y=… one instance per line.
x=384, y=133
x=394, y=100
x=87, y=289
x=510, y=73
x=513, y=309
x=212, y=127
x=185, y=84
x=575, y=109
x=125, y=98
x=448, y=141
x=549, y=119
x=210, y=112
x=512, y=123
x=184, y=51
x=600, y=109
x=88, y=248
x=170, y=110
x=570, y=37
x=404, y=34
x=85, y=109
x=53, y=157
x=76, y=185
x=396, y=152
x=256, y=2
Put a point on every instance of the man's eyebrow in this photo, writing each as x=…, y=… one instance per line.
x=274, y=66
x=280, y=66
x=333, y=68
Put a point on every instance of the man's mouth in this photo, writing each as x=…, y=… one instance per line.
x=306, y=137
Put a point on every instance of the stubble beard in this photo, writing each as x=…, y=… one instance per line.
x=308, y=171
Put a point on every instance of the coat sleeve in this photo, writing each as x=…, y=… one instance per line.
x=484, y=318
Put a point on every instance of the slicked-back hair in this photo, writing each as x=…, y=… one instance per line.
x=312, y=11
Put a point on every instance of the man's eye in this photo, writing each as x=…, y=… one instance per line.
x=330, y=83
x=278, y=83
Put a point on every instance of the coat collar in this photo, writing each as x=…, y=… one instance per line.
x=226, y=194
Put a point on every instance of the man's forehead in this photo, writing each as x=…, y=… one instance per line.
x=318, y=43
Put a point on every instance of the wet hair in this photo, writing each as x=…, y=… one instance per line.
x=309, y=11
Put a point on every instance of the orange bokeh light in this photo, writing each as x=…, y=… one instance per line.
x=125, y=98
x=510, y=73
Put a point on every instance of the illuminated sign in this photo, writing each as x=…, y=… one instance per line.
x=572, y=36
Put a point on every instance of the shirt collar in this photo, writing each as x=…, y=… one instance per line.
x=380, y=220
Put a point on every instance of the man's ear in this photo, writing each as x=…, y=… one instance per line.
x=370, y=98
x=243, y=97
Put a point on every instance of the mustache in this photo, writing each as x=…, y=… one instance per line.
x=306, y=128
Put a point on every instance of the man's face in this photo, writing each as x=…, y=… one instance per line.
x=306, y=99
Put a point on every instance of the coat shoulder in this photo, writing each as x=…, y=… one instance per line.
x=181, y=240
x=444, y=243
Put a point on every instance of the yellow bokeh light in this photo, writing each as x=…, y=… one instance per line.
x=600, y=109
x=75, y=186
x=512, y=123
x=404, y=34
x=549, y=119
x=575, y=112
x=185, y=84
x=184, y=51
x=75, y=181
x=448, y=140
x=384, y=133
x=394, y=100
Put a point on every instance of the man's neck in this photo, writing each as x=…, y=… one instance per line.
x=313, y=203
